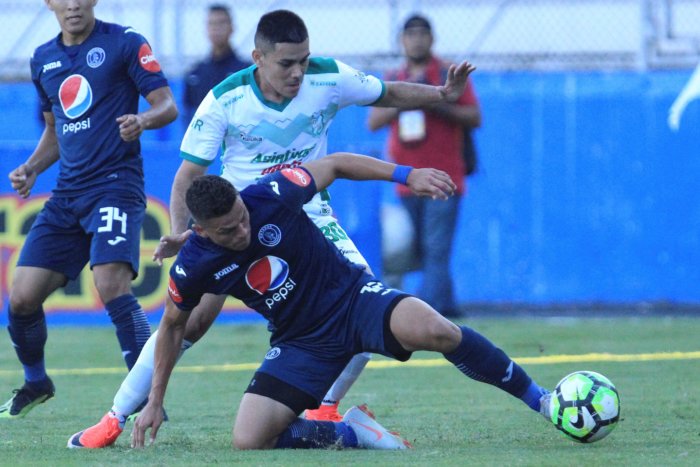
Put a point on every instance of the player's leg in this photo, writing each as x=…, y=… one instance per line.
x=290, y=380
x=137, y=384
x=135, y=388
x=328, y=410
x=55, y=250
x=28, y=332
x=417, y=326
x=114, y=222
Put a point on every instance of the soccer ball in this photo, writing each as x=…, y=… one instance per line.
x=585, y=406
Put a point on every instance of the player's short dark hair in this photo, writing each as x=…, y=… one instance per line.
x=220, y=8
x=210, y=196
x=280, y=26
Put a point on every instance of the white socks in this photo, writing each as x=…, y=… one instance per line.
x=137, y=384
x=346, y=379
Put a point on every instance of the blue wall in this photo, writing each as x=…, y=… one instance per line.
x=583, y=193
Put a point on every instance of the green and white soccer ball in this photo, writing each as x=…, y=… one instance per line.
x=585, y=406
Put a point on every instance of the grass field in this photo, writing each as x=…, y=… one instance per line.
x=451, y=420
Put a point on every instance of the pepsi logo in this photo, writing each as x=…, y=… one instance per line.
x=75, y=95
x=147, y=59
x=268, y=273
x=297, y=176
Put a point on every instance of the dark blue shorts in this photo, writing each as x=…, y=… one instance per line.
x=310, y=364
x=100, y=228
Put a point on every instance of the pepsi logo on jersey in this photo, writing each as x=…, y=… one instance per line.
x=270, y=273
x=75, y=96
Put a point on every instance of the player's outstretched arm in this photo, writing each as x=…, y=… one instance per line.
x=44, y=156
x=169, y=245
x=413, y=95
x=422, y=182
x=162, y=111
x=170, y=333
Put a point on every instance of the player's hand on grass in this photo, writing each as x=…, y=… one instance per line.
x=431, y=182
x=150, y=417
x=169, y=246
x=22, y=180
x=130, y=127
x=456, y=81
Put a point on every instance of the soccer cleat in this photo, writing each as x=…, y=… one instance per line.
x=545, y=401
x=370, y=434
x=325, y=413
x=104, y=434
x=25, y=399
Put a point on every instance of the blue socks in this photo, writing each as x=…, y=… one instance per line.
x=28, y=334
x=482, y=361
x=132, y=326
x=312, y=434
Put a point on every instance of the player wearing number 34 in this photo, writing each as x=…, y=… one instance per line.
x=88, y=78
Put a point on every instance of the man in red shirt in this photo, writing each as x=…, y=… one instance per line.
x=432, y=136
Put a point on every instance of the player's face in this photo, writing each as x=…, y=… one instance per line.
x=232, y=230
x=219, y=28
x=76, y=18
x=281, y=70
x=417, y=42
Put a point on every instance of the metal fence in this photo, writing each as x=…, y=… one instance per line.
x=494, y=34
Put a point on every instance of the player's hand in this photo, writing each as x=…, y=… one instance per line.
x=456, y=80
x=169, y=246
x=22, y=180
x=431, y=182
x=150, y=417
x=130, y=127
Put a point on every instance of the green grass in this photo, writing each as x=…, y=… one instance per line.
x=450, y=419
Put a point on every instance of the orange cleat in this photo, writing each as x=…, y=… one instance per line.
x=325, y=413
x=104, y=434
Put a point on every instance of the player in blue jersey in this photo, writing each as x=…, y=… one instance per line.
x=261, y=247
x=275, y=115
x=89, y=79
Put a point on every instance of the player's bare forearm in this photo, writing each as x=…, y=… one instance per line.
x=45, y=154
x=414, y=95
x=170, y=334
x=423, y=182
x=179, y=214
x=161, y=112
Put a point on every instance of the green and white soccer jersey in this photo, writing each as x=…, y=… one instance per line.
x=260, y=137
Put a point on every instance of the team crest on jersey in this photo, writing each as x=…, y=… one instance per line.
x=173, y=292
x=270, y=235
x=268, y=273
x=317, y=123
x=273, y=353
x=147, y=59
x=95, y=57
x=297, y=176
x=75, y=95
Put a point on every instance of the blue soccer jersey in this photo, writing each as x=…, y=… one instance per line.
x=87, y=87
x=289, y=270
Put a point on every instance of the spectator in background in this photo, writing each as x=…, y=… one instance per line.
x=221, y=62
x=431, y=136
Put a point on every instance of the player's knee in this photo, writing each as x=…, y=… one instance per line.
x=22, y=303
x=245, y=441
